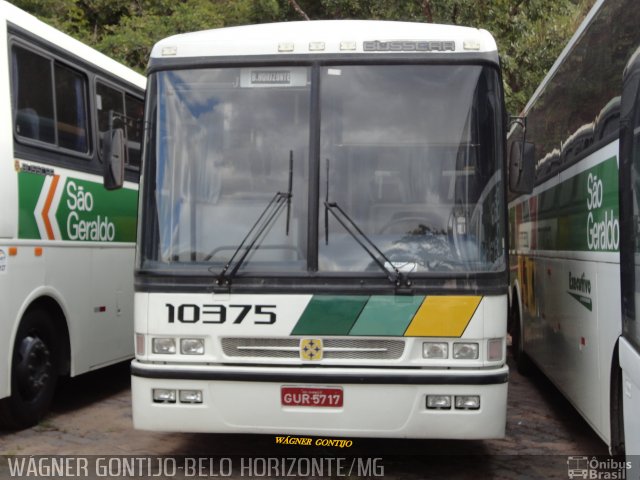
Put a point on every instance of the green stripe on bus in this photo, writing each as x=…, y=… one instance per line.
x=387, y=315
x=84, y=211
x=581, y=213
x=330, y=315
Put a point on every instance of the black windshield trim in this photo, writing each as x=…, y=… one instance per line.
x=371, y=283
x=144, y=265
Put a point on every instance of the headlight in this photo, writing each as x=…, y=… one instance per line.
x=192, y=346
x=435, y=350
x=465, y=351
x=166, y=346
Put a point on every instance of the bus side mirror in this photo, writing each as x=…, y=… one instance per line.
x=521, y=161
x=113, y=157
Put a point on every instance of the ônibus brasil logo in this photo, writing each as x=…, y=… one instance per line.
x=598, y=468
x=78, y=203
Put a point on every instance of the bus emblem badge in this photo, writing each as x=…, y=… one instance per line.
x=311, y=349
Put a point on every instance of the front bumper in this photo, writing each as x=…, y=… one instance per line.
x=378, y=402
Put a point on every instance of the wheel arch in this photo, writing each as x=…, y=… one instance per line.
x=33, y=379
x=51, y=302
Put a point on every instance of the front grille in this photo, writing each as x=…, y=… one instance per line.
x=261, y=347
x=333, y=348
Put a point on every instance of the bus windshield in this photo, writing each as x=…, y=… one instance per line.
x=411, y=153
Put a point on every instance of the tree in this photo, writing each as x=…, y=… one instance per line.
x=530, y=33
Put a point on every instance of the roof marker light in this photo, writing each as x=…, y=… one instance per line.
x=471, y=45
x=169, y=51
x=348, y=45
x=316, y=46
x=285, y=47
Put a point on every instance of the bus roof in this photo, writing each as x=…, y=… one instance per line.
x=326, y=36
x=13, y=15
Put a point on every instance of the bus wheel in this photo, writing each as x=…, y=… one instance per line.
x=34, y=372
x=523, y=363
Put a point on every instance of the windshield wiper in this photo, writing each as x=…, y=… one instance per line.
x=395, y=276
x=255, y=234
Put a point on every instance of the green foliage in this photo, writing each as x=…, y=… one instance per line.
x=530, y=33
x=131, y=38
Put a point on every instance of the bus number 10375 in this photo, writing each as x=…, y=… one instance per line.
x=217, y=313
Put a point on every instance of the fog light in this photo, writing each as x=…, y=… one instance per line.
x=435, y=350
x=494, y=349
x=439, y=402
x=163, y=395
x=467, y=402
x=192, y=346
x=465, y=351
x=190, y=396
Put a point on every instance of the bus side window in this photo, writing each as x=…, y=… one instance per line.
x=111, y=99
x=50, y=101
x=134, y=110
x=32, y=95
x=71, y=109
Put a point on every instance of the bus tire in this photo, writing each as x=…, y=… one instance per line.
x=523, y=362
x=34, y=371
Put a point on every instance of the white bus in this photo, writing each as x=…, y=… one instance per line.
x=629, y=346
x=321, y=239
x=66, y=243
x=566, y=234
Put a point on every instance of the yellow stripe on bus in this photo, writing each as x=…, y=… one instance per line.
x=443, y=316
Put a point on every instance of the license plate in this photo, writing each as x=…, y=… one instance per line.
x=311, y=397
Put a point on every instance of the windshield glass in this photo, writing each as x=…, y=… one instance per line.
x=411, y=154
x=224, y=144
x=413, y=160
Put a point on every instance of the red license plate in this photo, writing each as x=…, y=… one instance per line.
x=311, y=397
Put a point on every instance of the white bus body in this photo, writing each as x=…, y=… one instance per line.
x=566, y=235
x=367, y=295
x=66, y=244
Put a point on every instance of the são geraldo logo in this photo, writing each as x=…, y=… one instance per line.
x=603, y=231
x=71, y=198
x=99, y=229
